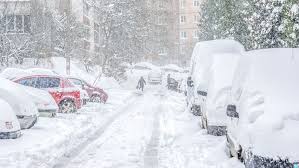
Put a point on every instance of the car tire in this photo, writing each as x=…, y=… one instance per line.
x=96, y=99
x=32, y=124
x=67, y=106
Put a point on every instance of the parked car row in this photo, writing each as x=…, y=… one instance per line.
x=33, y=93
x=251, y=98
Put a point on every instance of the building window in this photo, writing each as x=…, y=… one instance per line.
x=183, y=19
x=196, y=18
x=183, y=35
x=161, y=20
x=196, y=3
x=183, y=3
x=17, y=24
x=196, y=34
x=163, y=51
x=182, y=50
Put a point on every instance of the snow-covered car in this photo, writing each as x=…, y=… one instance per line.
x=11, y=73
x=65, y=94
x=155, y=77
x=172, y=68
x=214, y=117
x=263, y=109
x=144, y=66
x=9, y=124
x=95, y=94
x=201, y=63
x=44, y=102
x=22, y=104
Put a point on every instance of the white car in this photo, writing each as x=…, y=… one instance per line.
x=155, y=77
x=201, y=63
x=22, y=104
x=9, y=124
x=172, y=68
x=144, y=66
x=44, y=102
x=214, y=117
x=263, y=109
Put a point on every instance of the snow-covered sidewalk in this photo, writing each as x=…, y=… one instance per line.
x=52, y=139
x=184, y=145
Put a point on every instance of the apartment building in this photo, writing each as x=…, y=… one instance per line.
x=86, y=12
x=14, y=27
x=164, y=43
x=188, y=27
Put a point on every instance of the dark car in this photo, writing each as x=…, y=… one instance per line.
x=172, y=84
x=95, y=94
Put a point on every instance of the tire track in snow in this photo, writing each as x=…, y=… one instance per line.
x=151, y=158
x=74, y=152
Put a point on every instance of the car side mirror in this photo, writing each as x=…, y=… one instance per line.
x=202, y=93
x=231, y=111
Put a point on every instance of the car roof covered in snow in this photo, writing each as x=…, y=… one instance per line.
x=172, y=67
x=268, y=105
x=146, y=65
x=202, y=59
x=17, y=73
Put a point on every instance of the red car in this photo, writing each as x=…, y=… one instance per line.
x=66, y=95
x=95, y=94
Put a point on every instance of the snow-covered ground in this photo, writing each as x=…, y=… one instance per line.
x=143, y=130
x=153, y=130
x=52, y=138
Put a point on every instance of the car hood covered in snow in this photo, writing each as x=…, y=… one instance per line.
x=17, y=98
x=268, y=105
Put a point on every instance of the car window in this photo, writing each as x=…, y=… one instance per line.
x=48, y=82
x=28, y=82
x=68, y=83
x=76, y=82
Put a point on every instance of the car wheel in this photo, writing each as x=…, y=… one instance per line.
x=96, y=99
x=32, y=124
x=67, y=106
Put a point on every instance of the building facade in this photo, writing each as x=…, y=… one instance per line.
x=164, y=35
x=188, y=27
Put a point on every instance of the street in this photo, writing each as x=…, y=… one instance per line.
x=152, y=131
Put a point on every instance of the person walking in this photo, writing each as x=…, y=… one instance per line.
x=141, y=84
